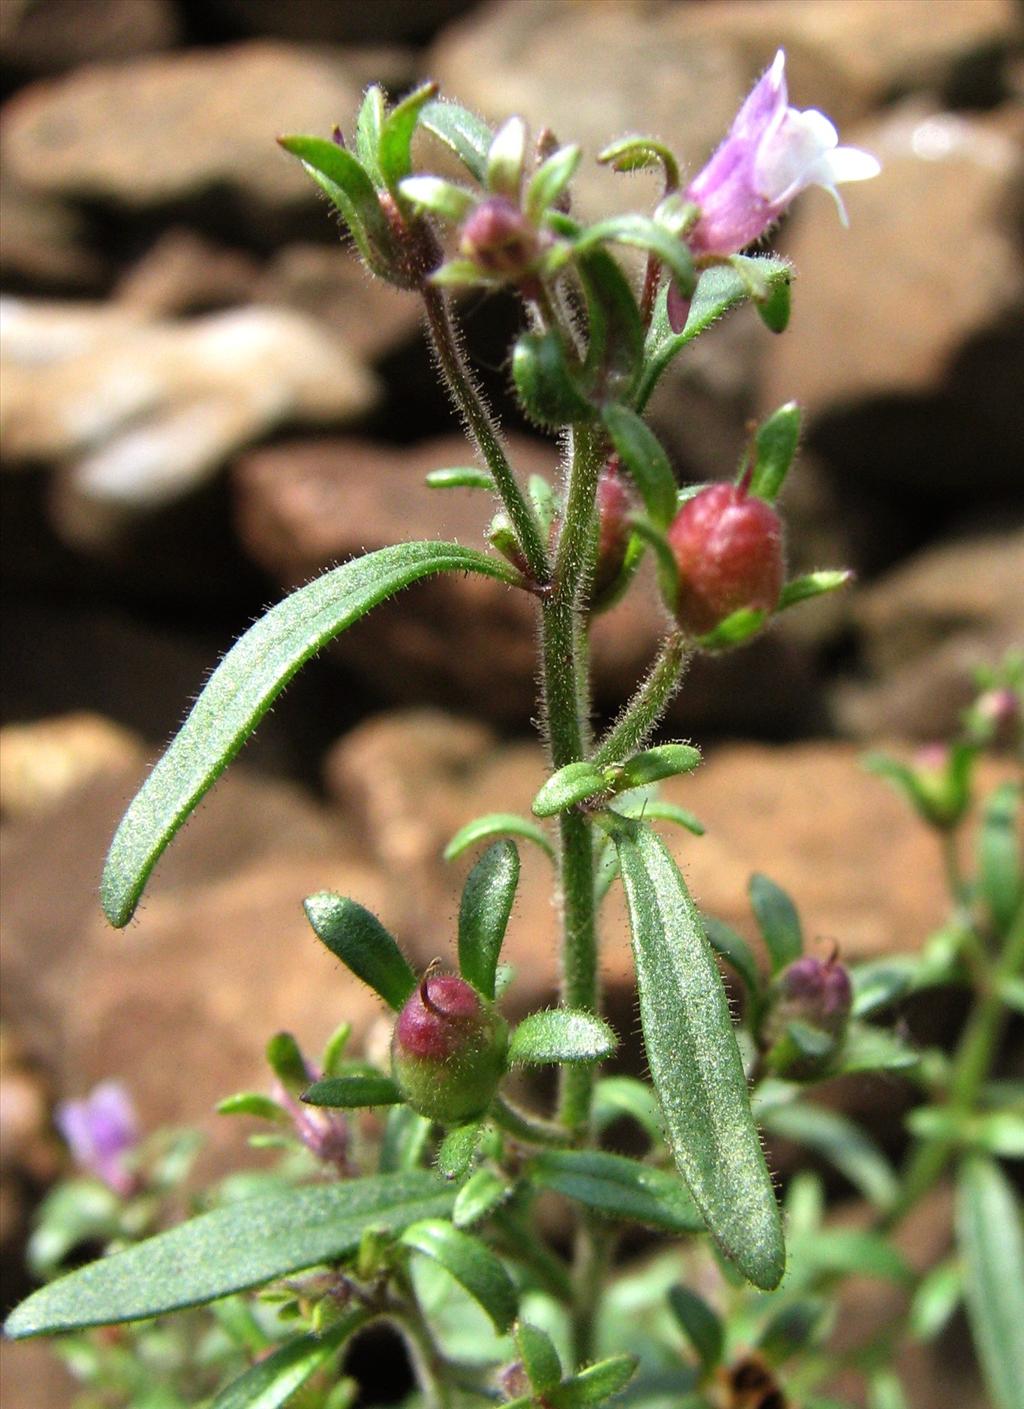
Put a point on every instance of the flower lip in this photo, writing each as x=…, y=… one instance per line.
x=771, y=154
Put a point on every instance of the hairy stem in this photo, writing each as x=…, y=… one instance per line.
x=566, y=701
x=645, y=710
x=471, y=404
x=531, y=1129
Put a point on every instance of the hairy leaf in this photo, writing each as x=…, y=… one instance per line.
x=992, y=1248
x=618, y=1187
x=484, y=913
x=471, y=1263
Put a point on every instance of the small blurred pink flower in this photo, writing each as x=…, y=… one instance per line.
x=102, y=1131
x=772, y=153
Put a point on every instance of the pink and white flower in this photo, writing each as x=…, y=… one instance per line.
x=772, y=153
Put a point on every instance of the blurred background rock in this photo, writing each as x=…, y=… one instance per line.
x=203, y=401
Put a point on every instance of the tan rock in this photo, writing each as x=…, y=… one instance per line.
x=184, y=273
x=925, y=628
x=62, y=34
x=890, y=319
x=42, y=763
x=163, y=129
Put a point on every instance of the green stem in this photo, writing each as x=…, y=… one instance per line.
x=951, y=862
x=528, y=1128
x=644, y=711
x=430, y=1366
x=971, y=1066
x=467, y=397
x=565, y=700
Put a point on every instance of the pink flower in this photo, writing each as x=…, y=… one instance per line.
x=102, y=1132
x=772, y=153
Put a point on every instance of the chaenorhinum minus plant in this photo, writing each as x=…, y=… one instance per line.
x=412, y=1190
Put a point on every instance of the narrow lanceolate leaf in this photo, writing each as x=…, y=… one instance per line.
x=561, y=1035
x=992, y=1248
x=618, y=1188
x=459, y=477
x=458, y=1149
x=484, y=912
x=813, y=584
x=718, y=290
x=702, y=1326
x=595, y=1384
x=228, y=1250
x=777, y=920
x=841, y=1142
x=470, y=1262
x=539, y=1356
x=572, y=784
x=362, y=943
x=394, y=146
x=774, y=451
x=349, y=1091
x=497, y=824
x=467, y=135
x=273, y=1381
x=695, y=1062
x=735, y=950
x=349, y=189
x=1000, y=868
x=245, y=685
x=481, y=1194
x=651, y=766
x=618, y=1096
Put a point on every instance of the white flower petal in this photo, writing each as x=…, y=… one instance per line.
x=851, y=164
x=788, y=151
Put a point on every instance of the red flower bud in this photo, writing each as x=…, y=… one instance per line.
x=614, y=505
x=728, y=548
x=448, y=1050
x=499, y=239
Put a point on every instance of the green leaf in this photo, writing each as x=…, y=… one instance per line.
x=841, y=1142
x=506, y=159
x=656, y=810
x=991, y=1243
x=718, y=289
x=496, y=824
x=234, y=1247
x=349, y=1091
x=405, y=1140
x=539, y=1356
x=791, y=1329
x=867, y=1048
x=458, y=1149
x=695, y=1062
x=549, y=385
x=615, y=348
x=550, y=180
x=471, y=1263
x=651, y=766
x=878, y=983
x=701, y=1325
x=642, y=455
x=774, y=310
x=561, y=1035
x=594, y=1384
x=484, y=912
x=460, y=477
x=813, y=584
x=369, y=124
x=937, y=1297
x=733, y=948
x=482, y=1193
x=349, y=189
x=775, y=447
x=1000, y=866
x=572, y=784
x=462, y=132
x=777, y=920
x=362, y=944
x=634, y=153
x=850, y=1251
x=885, y=1391
x=245, y=685
x=616, y=1096
x=394, y=150
x=334, y=1050
x=618, y=1188
x=272, y=1382
x=287, y=1062
x=736, y=629
x=253, y=1103
x=643, y=233
x=439, y=197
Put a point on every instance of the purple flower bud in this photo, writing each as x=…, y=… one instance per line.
x=102, y=1132
x=499, y=239
x=772, y=153
x=614, y=504
x=814, y=991
x=728, y=549
x=448, y=1050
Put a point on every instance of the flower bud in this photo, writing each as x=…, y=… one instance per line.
x=815, y=996
x=102, y=1132
x=499, y=239
x=614, y=504
x=448, y=1050
x=727, y=545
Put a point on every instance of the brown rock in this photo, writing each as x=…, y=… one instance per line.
x=925, y=628
x=939, y=375
x=42, y=763
x=328, y=283
x=43, y=243
x=38, y=38
x=325, y=21
x=184, y=273
x=161, y=130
